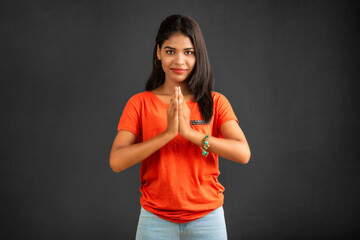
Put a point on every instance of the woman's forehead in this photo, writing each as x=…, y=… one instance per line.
x=178, y=40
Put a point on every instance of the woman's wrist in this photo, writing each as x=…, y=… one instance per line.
x=186, y=133
x=197, y=138
x=169, y=135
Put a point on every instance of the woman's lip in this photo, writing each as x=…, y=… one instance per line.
x=178, y=70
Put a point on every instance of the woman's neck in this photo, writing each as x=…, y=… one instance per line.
x=168, y=88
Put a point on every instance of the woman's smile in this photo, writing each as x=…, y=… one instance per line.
x=178, y=70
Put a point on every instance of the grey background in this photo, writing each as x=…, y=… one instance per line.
x=289, y=68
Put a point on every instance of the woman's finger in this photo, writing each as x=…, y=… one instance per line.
x=172, y=106
x=173, y=97
x=181, y=96
x=171, y=101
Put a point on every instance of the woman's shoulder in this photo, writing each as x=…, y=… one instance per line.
x=140, y=95
x=138, y=98
x=217, y=96
x=219, y=100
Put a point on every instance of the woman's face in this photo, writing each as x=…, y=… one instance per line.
x=177, y=56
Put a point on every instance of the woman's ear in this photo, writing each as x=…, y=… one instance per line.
x=158, y=52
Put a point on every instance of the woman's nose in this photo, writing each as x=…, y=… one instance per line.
x=180, y=59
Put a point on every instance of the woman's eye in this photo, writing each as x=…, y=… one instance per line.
x=189, y=52
x=170, y=52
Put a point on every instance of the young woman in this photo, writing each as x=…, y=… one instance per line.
x=177, y=129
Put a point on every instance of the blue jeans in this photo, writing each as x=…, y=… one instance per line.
x=210, y=227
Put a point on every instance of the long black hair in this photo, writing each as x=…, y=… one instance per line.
x=200, y=81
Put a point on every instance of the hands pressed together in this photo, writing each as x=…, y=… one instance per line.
x=178, y=115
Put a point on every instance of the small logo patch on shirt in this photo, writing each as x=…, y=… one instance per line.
x=199, y=122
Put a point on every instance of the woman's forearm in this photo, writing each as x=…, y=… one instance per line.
x=124, y=157
x=234, y=150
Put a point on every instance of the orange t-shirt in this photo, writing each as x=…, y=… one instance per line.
x=177, y=183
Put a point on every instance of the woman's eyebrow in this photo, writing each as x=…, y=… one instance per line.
x=191, y=48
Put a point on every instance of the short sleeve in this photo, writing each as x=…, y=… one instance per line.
x=224, y=110
x=131, y=118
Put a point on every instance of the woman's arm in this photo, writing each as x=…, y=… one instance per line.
x=232, y=146
x=125, y=153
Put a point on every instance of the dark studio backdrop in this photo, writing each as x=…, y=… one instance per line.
x=289, y=68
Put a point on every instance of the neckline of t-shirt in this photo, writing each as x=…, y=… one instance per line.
x=164, y=103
